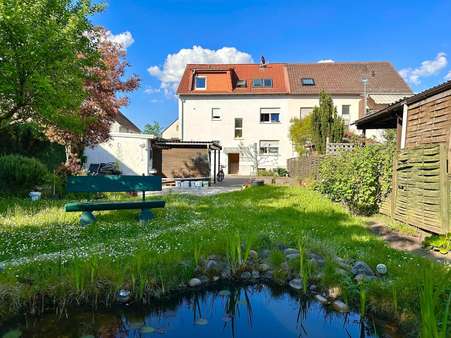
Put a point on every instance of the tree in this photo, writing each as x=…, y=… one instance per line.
x=326, y=123
x=153, y=129
x=256, y=161
x=44, y=54
x=301, y=133
x=102, y=104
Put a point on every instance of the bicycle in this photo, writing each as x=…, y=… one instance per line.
x=220, y=175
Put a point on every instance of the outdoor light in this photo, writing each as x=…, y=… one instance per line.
x=123, y=296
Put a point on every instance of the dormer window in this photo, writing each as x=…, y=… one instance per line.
x=241, y=84
x=200, y=83
x=262, y=83
x=307, y=81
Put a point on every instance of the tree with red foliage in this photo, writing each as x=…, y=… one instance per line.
x=102, y=104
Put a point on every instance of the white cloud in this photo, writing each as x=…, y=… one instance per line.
x=124, y=39
x=326, y=61
x=151, y=90
x=448, y=76
x=427, y=68
x=174, y=65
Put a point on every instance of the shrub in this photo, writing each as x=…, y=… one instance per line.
x=360, y=179
x=19, y=174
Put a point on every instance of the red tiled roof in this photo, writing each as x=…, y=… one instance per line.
x=346, y=78
x=335, y=78
x=276, y=71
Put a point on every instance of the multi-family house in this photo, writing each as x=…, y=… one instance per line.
x=248, y=107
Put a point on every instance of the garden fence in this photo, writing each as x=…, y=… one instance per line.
x=304, y=166
x=420, y=193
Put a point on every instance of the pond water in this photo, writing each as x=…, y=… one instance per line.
x=250, y=311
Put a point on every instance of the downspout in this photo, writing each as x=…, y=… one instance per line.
x=404, y=125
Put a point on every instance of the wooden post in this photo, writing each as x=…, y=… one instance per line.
x=394, y=189
x=444, y=189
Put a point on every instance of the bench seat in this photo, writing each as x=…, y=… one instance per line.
x=110, y=205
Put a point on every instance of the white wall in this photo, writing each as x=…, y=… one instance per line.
x=131, y=151
x=197, y=124
x=172, y=131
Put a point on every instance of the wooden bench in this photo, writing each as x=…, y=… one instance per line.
x=113, y=184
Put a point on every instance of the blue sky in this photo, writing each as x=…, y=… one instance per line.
x=414, y=35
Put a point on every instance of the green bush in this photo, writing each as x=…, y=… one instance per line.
x=360, y=179
x=20, y=175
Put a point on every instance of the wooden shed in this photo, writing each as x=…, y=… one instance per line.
x=421, y=182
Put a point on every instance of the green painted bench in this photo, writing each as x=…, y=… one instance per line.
x=113, y=184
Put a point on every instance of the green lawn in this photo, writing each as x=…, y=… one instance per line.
x=46, y=252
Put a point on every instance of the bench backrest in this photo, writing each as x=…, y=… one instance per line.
x=113, y=183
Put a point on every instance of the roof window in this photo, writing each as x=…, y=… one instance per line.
x=307, y=81
x=262, y=83
x=241, y=84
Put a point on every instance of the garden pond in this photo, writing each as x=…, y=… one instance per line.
x=239, y=311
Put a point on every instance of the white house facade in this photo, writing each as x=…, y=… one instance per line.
x=248, y=108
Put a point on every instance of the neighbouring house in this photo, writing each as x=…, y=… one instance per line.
x=143, y=154
x=420, y=193
x=247, y=108
x=171, y=131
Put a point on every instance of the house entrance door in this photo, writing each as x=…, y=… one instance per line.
x=234, y=163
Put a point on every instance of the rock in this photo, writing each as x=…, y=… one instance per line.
x=321, y=299
x=204, y=279
x=255, y=274
x=362, y=268
x=342, y=263
x=253, y=254
x=284, y=266
x=123, y=296
x=268, y=275
x=215, y=278
x=194, y=282
x=313, y=288
x=263, y=267
x=265, y=253
x=245, y=275
x=292, y=256
x=380, y=268
x=340, y=306
x=212, y=265
x=290, y=251
x=214, y=258
x=342, y=272
x=296, y=283
x=361, y=277
x=226, y=274
x=334, y=292
x=316, y=259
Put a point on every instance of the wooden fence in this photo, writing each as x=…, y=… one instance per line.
x=421, y=189
x=304, y=166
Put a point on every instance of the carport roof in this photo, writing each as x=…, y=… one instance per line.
x=214, y=145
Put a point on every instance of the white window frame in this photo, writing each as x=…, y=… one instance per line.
x=195, y=82
x=346, y=117
x=235, y=128
x=217, y=117
x=265, y=111
x=267, y=152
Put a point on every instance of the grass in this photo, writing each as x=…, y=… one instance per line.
x=50, y=257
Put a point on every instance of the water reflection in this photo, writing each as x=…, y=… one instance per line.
x=230, y=312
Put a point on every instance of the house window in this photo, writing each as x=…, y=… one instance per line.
x=269, y=115
x=269, y=147
x=262, y=83
x=200, y=82
x=238, y=128
x=305, y=111
x=216, y=114
x=345, y=113
x=307, y=81
x=241, y=84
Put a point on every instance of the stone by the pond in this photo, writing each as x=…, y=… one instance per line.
x=340, y=306
x=381, y=269
x=292, y=256
x=194, y=282
x=263, y=267
x=264, y=253
x=362, y=268
x=147, y=329
x=204, y=279
x=224, y=293
x=321, y=299
x=123, y=295
x=246, y=275
x=313, y=288
x=226, y=274
x=334, y=292
x=361, y=277
x=316, y=258
x=253, y=254
x=255, y=274
x=212, y=265
x=290, y=251
x=268, y=275
x=296, y=283
x=201, y=321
